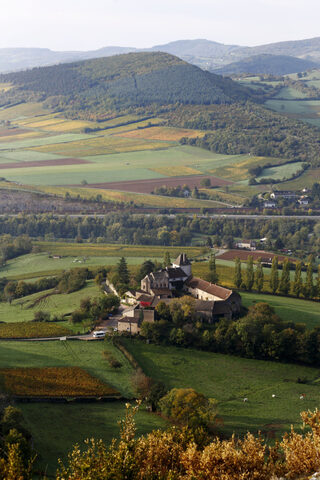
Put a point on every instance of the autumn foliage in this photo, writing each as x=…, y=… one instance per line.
x=175, y=455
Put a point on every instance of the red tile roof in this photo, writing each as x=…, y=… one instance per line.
x=210, y=288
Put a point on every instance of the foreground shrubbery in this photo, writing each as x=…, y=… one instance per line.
x=176, y=455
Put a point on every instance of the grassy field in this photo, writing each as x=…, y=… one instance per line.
x=289, y=309
x=57, y=427
x=229, y=379
x=23, y=309
x=281, y=172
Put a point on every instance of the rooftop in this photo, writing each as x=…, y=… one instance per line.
x=210, y=288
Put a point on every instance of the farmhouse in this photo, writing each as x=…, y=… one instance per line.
x=284, y=194
x=247, y=244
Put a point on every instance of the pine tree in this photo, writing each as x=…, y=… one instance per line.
x=123, y=272
x=309, y=287
x=166, y=260
x=297, y=284
x=237, y=273
x=259, y=276
x=249, y=277
x=274, y=275
x=285, y=278
x=213, y=276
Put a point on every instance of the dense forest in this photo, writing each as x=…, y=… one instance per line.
x=117, y=83
x=301, y=236
x=249, y=128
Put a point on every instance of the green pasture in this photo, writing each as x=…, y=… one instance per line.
x=280, y=172
x=40, y=264
x=289, y=93
x=26, y=156
x=56, y=428
x=289, y=309
x=104, y=250
x=23, y=309
x=303, y=109
x=307, y=179
x=49, y=140
x=229, y=380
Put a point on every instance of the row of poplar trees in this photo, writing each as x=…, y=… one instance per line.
x=278, y=282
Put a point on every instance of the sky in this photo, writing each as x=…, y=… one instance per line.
x=92, y=24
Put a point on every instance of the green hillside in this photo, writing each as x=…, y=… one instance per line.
x=119, y=83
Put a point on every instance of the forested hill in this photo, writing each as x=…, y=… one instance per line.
x=120, y=82
x=267, y=64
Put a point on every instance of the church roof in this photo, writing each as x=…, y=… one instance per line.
x=182, y=260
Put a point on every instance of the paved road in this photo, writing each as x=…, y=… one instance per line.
x=172, y=215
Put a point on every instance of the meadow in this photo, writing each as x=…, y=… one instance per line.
x=229, y=380
x=289, y=309
x=280, y=172
x=23, y=309
x=32, y=330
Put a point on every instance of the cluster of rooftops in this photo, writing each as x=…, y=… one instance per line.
x=211, y=301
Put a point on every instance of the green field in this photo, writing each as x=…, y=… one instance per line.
x=57, y=427
x=289, y=309
x=229, y=379
x=281, y=172
x=23, y=309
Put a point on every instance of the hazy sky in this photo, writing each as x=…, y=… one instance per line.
x=91, y=24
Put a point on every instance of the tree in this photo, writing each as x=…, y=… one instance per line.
x=274, y=275
x=249, y=276
x=259, y=276
x=284, y=286
x=237, y=273
x=205, y=182
x=297, y=284
x=189, y=408
x=213, y=276
x=166, y=260
x=318, y=283
x=146, y=268
x=123, y=272
x=309, y=287
x=209, y=242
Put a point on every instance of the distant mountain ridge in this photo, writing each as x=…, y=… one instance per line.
x=201, y=52
x=267, y=64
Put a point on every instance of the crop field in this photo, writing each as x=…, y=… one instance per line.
x=13, y=140
x=6, y=132
x=163, y=133
x=26, y=156
x=142, y=199
x=100, y=145
x=23, y=309
x=244, y=254
x=47, y=142
x=229, y=379
x=305, y=110
x=289, y=309
x=281, y=172
x=44, y=163
x=32, y=330
x=148, y=186
x=22, y=110
x=50, y=382
x=76, y=353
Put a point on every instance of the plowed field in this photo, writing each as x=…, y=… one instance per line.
x=244, y=254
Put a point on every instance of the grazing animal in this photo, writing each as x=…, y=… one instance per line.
x=273, y=395
x=245, y=399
